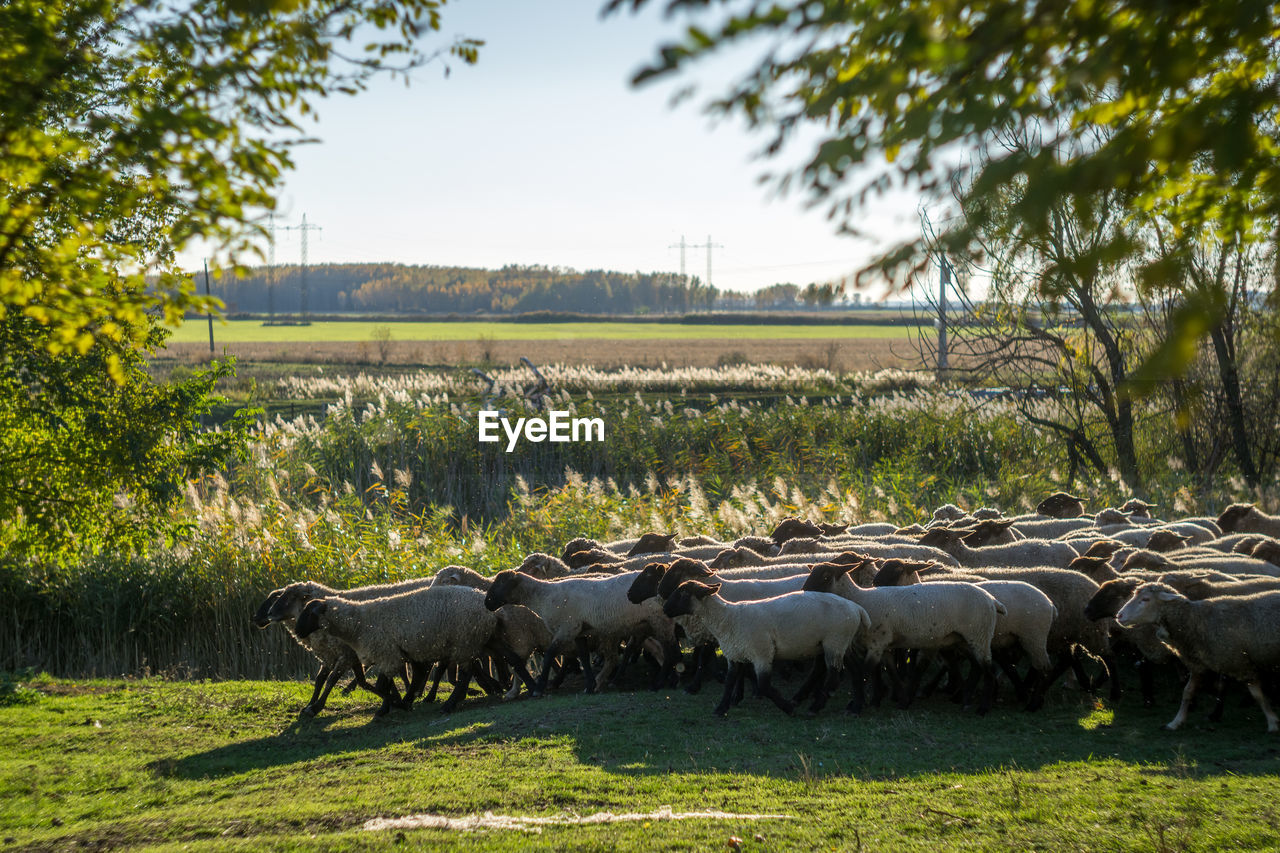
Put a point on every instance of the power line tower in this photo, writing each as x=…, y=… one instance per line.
x=708, y=246
x=682, y=245
x=304, y=228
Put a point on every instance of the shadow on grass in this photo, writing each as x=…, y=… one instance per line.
x=648, y=733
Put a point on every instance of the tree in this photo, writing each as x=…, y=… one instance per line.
x=132, y=127
x=129, y=129
x=905, y=94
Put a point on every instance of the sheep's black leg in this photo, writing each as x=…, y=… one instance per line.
x=1082, y=677
x=859, y=676
x=1147, y=680
x=386, y=688
x=317, y=705
x=460, y=691
x=666, y=673
x=1113, y=672
x=568, y=664
x=764, y=680
x=988, y=671
x=437, y=673
x=740, y=689
x=829, y=686
x=520, y=672
x=584, y=655
x=309, y=709
x=729, y=683
x=812, y=682
x=703, y=657
x=548, y=660
x=486, y=681
x=358, y=680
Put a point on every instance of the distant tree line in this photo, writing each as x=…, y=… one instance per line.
x=404, y=289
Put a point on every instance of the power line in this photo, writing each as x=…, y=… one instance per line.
x=303, y=229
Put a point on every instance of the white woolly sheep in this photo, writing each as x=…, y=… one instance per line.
x=924, y=616
x=795, y=626
x=1247, y=518
x=448, y=626
x=1233, y=636
x=1028, y=552
x=578, y=609
x=284, y=605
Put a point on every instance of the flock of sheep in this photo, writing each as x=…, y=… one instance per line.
x=965, y=601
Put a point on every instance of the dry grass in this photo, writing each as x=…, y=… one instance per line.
x=847, y=355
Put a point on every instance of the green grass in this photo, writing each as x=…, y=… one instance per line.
x=252, y=331
x=162, y=765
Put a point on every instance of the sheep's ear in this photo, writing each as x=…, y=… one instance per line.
x=1167, y=595
x=703, y=590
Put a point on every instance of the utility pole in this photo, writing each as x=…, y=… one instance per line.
x=208, y=313
x=304, y=228
x=944, y=283
x=709, y=246
x=682, y=245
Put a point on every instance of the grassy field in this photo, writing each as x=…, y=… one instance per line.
x=153, y=764
x=253, y=331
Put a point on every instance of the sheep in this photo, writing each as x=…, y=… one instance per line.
x=1069, y=591
x=762, y=545
x=1247, y=518
x=1047, y=527
x=285, y=604
x=1061, y=505
x=448, y=626
x=794, y=626
x=1028, y=552
x=577, y=608
x=461, y=576
x=661, y=579
x=1234, y=636
x=946, y=514
x=653, y=543
x=1026, y=624
x=1239, y=543
x=987, y=513
x=924, y=616
x=992, y=532
x=581, y=543
x=910, y=549
x=794, y=528
x=1232, y=564
x=1267, y=551
x=522, y=632
x=594, y=556
x=873, y=528
x=1138, y=508
x=1144, y=639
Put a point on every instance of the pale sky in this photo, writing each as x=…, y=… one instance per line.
x=543, y=153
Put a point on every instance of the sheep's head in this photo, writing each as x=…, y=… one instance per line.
x=804, y=545
x=460, y=576
x=1166, y=540
x=581, y=543
x=730, y=558
x=1231, y=517
x=896, y=572
x=1104, y=548
x=683, y=569
x=261, y=617
x=653, y=543
x=683, y=600
x=1267, y=550
x=916, y=529
x=794, y=528
x=1247, y=544
x=311, y=617
x=824, y=576
x=1138, y=508
x=1142, y=559
x=762, y=545
x=1144, y=607
x=990, y=532
x=1061, y=505
x=645, y=586
x=543, y=566
x=503, y=589
x=1097, y=569
x=942, y=537
x=590, y=557
x=1110, y=597
x=1111, y=517
x=948, y=513
x=832, y=529
x=986, y=513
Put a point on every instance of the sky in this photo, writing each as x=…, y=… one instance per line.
x=544, y=153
